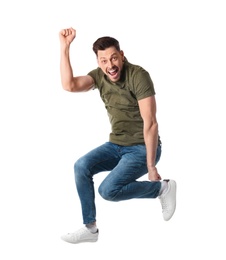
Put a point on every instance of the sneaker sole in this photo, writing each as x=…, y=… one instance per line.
x=79, y=242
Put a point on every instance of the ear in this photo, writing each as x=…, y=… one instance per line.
x=122, y=54
x=97, y=61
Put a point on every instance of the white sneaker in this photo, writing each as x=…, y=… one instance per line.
x=81, y=235
x=168, y=200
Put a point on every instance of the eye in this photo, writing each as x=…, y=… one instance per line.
x=104, y=61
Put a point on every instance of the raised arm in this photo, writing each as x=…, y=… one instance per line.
x=148, y=112
x=69, y=82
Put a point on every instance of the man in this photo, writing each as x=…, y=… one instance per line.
x=134, y=146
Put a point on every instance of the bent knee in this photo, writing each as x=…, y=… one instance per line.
x=80, y=165
x=107, y=193
x=81, y=168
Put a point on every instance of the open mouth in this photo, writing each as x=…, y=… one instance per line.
x=113, y=72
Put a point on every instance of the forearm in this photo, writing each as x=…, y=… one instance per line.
x=66, y=71
x=151, y=143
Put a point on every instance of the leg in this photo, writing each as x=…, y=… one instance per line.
x=121, y=182
x=102, y=158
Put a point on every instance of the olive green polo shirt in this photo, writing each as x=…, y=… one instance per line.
x=121, y=101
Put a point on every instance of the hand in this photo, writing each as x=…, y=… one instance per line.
x=153, y=174
x=67, y=36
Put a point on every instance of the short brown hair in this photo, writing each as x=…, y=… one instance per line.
x=105, y=42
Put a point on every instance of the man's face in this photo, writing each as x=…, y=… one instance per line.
x=111, y=63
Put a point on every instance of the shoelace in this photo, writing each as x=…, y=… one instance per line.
x=164, y=205
x=78, y=233
x=81, y=231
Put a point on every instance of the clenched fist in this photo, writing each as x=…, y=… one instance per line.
x=67, y=36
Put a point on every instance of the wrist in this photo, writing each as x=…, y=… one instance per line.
x=151, y=167
x=65, y=47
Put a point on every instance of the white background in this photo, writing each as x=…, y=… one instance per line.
x=44, y=129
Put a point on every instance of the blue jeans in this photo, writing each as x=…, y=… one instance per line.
x=126, y=164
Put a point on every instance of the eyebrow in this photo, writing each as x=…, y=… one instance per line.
x=101, y=58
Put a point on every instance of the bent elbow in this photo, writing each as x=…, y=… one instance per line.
x=151, y=129
x=151, y=125
x=68, y=87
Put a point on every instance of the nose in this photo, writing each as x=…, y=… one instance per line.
x=110, y=63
